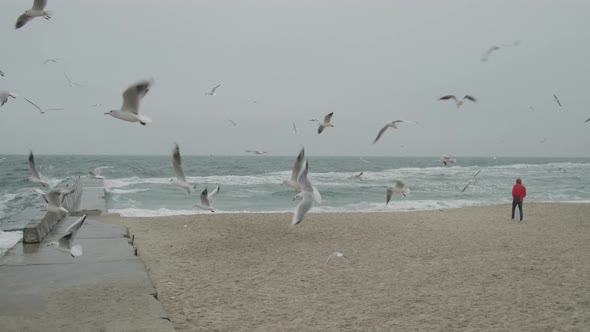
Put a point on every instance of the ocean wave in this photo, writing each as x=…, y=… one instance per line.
x=130, y=191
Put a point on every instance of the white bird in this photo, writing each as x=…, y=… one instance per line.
x=55, y=199
x=35, y=105
x=447, y=160
x=364, y=161
x=38, y=10
x=66, y=242
x=399, y=188
x=326, y=123
x=35, y=175
x=96, y=172
x=235, y=124
x=489, y=52
x=472, y=181
x=307, y=195
x=257, y=152
x=212, y=92
x=297, y=167
x=391, y=124
x=131, y=98
x=335, y=254
x=54, y=60
x=294, y=128
x=177, y=166
x=557, y=100
x=459, y=102
x=359, y=177
x=207, y=200
x=70, y=82
x=4, y=96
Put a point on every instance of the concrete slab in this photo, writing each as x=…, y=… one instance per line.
x=92, y=202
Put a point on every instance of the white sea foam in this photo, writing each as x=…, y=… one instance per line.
x=130, y=191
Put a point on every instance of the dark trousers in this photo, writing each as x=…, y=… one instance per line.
x=514, y=204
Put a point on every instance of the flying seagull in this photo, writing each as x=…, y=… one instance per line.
x=459, y=102
x=235, y=124
x=55, y=199
x=335, y=254
x=131, y=98
x=326, y=123
x=1, y=73
x=399, y=188
x=364, y=161
x=489, y=52
x=447, y=160
x=212, y=92
x=177, y=166
x=359, y=177
x=294, y=128
x=307, y=195
x=4, y=96
x=35, y=175
x=297, y=167
x=587, y=120
x=38, y=10
x=96, y=172
x=40, y=109
x=391, y=124
x=207, y=200
x=54, y=60
x=66, y=242
x=557, y=100
x=472, y=181
x=258, y=152
x=70, y=82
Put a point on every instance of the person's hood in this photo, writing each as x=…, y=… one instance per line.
x=518, y=181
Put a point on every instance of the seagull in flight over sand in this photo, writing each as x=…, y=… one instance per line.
x=447, y=160
x=53, y=60
x=131, y=98
x=257, y=152
x=177, y=166
x=472, y=181
x=399, y=188
x=326, y=123
x=230, y=121
x=392, y=124
x=459, y=102
x=35, y=175
x=96, y=172
x=66, y=242
x=307, y=195
x=4, y=96
x=38, y=10
x=207, y=200
x=557, y=100
x=335, y=254
x=297, y=167
x=212, y=92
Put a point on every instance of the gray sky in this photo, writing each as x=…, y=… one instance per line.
x=369, y=62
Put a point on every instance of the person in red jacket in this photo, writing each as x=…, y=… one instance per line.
x=518, y=195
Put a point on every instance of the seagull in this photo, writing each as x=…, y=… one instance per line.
x=447, y=160
x=472, y=181
x=39, y=108
x=562, y=169
x=489, y=52
x=359, y=177
x=70, y=82
x=212, y=92
x=313, y=120
x=66, y=241
x=531, y=108
x=35, y=176
x=258, y=152
x=95, y=105
x=96, y=172
x=4, y=96
x=364, y=161
x=55, y=199
x=177, y=166
x=544, y=140
x=399, y=188
x=335, y=254
x=557, y=100
x=587, y=120
x=294, y=128
x=297, y=167
x=54, y=60
x=207, y=200
x=36, y=11
x=307, y=195
x=235, y=124
x=391, y=124
x=131, y=97
x=1, y=73
x=326, y=123
x=459, y=102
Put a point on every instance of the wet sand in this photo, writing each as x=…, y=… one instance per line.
x=469, y=269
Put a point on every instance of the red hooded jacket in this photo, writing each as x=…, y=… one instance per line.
x=519, y=190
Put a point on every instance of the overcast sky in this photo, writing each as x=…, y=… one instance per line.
x=369, y=62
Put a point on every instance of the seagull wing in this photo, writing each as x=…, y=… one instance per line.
x=177, y=164
x=557, y=100
x=215, y=88
x=328, y=117
x=304, y=181
x=22, y=20
x=389, y=195
x=302, y=208
x=487, y=54
x=294, y=128
x=381, y=132
x=54, y=197
x=33, y=167
x=476, y=173
x=133, y=95
x=213, y=196
x=468, y=97
x=587, y=120
x=37, y=107
x=448, y=97
x=39, y=4
x=399, y=185
x=204, y=199
x=467, y=185
x=321, y=128
x=298, y=165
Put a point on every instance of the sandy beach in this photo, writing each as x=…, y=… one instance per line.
x=469, y=269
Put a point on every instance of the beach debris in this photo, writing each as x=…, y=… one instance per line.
x=308, y=195
x=336, y=254
x=66, y=242
x=326, y=123
x=473, y=180
x=38, y=10
x=212, y=92
x=399, y=188
x=447, y=160
x=207, y=200
x=458, y=102
x=131, y=99
x=392, y=124
x=180, y=180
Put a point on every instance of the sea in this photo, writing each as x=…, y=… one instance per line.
x=139, y=186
